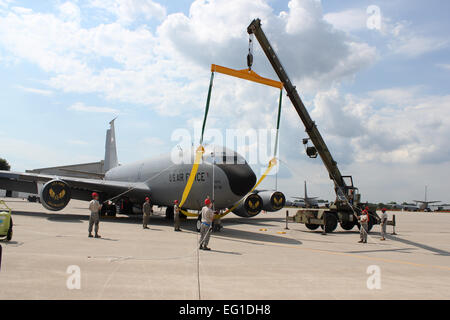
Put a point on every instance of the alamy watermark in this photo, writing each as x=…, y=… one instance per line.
x=230, y=146
x=74, y=279
x=374, y=20
x=374, y=279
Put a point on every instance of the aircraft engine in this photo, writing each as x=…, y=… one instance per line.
x=250, y=206
x=55, y=195
x=272, y=200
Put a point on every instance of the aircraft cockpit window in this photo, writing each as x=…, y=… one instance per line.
x=230, y=159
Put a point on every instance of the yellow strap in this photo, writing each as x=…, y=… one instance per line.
x=188, y=214
x=243, y=74
x=247, y=75
x=272, y=163
x=187, y=189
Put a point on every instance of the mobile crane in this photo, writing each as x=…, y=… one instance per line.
x=348, y=200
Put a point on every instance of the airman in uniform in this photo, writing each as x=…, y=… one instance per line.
x=94, y=219
x=206, y=226
x=384, y=219
x=146, y=212
x=364, y=223
x=176, y=216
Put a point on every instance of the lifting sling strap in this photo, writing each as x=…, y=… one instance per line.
x=246, y=74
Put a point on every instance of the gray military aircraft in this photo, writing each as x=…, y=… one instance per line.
x=161, y=178
x=425, y=205
x=308, y=202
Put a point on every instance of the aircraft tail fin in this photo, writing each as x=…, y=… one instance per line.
x=306, y=191
x=110, y=148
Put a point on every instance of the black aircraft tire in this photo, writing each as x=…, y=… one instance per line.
x=10, y=231
x=347, y=225
x=183, y=216
x=311, y=226
x=169, y=213
x=113, y=211
x=103, y=211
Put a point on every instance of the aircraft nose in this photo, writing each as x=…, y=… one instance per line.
x=240, y=177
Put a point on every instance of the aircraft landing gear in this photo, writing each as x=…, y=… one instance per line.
x=169, y=213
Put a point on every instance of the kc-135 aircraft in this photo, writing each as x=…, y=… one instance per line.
x=160, y=178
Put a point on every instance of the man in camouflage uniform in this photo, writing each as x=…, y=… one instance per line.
x=94, y=219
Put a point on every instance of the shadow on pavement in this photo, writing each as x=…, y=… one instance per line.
x=227, y=252
x=419, y=245
x=260, y=236
x=404, y=250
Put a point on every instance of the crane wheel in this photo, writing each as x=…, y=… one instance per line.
x=347, y=225
x=331, y=223
x=311, y=226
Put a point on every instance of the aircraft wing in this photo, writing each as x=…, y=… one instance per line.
x=425, y=201
x=81, y=188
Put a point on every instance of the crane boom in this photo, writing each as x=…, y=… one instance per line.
x=311, y=128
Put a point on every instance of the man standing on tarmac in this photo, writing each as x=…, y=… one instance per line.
x=364, y=222
x=176, y=216
x=146, y=212
x=94, y=207
x=384, y=218
x=206, y=227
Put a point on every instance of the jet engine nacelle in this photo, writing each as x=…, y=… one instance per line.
x=250, y=206
x=55, y=195
x=272, y=200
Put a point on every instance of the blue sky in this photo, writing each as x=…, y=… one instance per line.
x=380, y=96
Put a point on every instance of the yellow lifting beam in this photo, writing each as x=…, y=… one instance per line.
x=247, y=74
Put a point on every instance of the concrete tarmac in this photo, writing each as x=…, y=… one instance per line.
x=251, y=258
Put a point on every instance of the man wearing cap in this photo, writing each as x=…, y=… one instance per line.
x=384, y=218
x=207, y=220
x=146, y=212
x=364, y=225
x=176, y=216
x=94, y=207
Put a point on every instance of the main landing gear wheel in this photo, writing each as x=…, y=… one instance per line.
x=169, y=213
x=311, y=226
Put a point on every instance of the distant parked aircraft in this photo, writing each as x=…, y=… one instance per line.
x=424, y=205
x=308, y=202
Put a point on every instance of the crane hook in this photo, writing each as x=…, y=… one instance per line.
x=250, y=52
